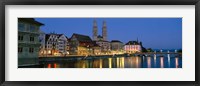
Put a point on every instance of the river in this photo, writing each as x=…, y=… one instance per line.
x=165, y=61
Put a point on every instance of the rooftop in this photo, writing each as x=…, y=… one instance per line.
x=30, y=20
x=82, y=38
x=132, y=43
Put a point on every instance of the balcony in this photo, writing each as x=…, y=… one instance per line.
x=28, y=42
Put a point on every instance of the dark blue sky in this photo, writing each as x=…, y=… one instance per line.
x=156, y=33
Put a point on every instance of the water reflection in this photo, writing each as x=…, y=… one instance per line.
x=110, y=62
x=137, y=62
x=168, y=56
x=100, y=65
x=149, y=62
x=156, y=61
x=161, y=62
x=176, y=62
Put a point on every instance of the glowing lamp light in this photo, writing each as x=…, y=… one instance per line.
x=49, y=51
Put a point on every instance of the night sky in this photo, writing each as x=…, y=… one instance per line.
x=156, y=33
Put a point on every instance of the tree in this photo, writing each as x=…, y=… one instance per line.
x=180, y=51
x=149, y=50
x=144, y=49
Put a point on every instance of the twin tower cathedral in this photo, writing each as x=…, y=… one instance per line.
x=97, y=37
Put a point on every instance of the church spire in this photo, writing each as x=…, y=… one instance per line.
x=95, y=30
x=104, y=31
x=104, y=23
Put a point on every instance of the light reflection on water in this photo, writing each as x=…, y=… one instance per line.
x=121, y=62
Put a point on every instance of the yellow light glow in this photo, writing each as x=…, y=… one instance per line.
x=149, y=62
x=110, y=62
x=49, y=51
x=100, y=63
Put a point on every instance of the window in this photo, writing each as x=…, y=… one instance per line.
x=20, y=38
x=40, y=39
x=20, y=49
x=31, y=50
x=31, y=38
x=32, y=28
x=21, y=26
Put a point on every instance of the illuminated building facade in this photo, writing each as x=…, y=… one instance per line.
x=56, y=44
x=82, y=45
x=105, y=46
x=133, y=46
x=116, y=47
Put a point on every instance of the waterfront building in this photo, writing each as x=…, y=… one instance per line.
x=133, y=46
x=101, y=40
x=63, y=44
x=42, y=41
x=116, y=47
x=82, y=45
x=56, y=44
x=105, y=46
x=28, y=41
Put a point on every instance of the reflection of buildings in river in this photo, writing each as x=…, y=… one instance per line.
x=176, y=62
x=154, y=60
x=120, y=62
x=149, y=62
x=49, y=66
x=132, y=62
x=96, y=64
x=137, y=62
x=161, y=62
x=53, y=65
x=100, y=63
x=168, y=55
x=80, y=64
x=110, y=62
x=83, y=64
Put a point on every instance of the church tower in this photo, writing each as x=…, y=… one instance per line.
x=104, y=31
x=95, y=30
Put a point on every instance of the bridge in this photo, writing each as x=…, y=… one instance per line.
x=155, y=53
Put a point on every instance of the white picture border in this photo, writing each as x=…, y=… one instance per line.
x=186, y=73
